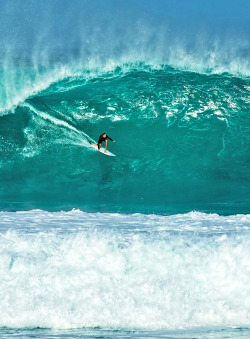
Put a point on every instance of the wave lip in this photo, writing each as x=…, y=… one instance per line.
x=76, y=269
x=19, y=83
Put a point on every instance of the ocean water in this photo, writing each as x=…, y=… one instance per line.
x=70, y=274
x=182, y=142
x=152, y=243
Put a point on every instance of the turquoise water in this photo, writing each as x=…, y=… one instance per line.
x=182, y=142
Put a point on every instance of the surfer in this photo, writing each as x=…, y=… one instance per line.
x=103, y=137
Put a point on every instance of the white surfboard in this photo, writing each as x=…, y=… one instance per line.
x=102, y=150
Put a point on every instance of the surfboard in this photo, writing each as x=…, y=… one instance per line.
x=102, y=150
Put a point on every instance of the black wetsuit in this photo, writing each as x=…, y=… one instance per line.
x=101, y=139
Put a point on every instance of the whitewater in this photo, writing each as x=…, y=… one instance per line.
x=65, y=270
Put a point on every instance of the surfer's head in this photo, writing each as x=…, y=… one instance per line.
x=104, y=135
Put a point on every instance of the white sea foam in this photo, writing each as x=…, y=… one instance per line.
x=76, y=269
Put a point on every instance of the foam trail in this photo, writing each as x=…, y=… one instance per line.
x=75, y=136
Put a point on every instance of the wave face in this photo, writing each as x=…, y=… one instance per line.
x=76, y=269
x=182, y=141
x=170, y=86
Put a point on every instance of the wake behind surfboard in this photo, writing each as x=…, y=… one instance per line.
x=102, y=150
